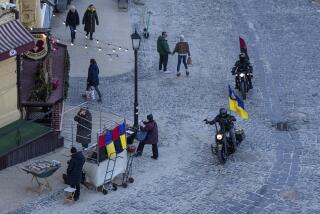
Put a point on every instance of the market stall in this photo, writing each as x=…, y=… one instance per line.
x=108, y=158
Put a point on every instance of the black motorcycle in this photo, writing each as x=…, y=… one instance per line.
x=243, y=82
x=224, y=146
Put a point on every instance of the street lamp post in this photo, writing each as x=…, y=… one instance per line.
x=136, y=38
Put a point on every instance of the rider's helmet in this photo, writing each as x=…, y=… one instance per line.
x=242, y=56
x=223, y=112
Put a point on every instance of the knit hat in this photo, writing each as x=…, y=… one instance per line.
x=150, y=117
x=73, y=150
x=181, y=38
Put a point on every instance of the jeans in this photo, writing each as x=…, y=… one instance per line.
x=163, y=61
x=154, y=149
x=73, y=32
x=96, y=88
x=182, y=58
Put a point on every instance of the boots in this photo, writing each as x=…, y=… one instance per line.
x=187, y=72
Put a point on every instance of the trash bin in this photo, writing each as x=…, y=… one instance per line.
x=61, y=5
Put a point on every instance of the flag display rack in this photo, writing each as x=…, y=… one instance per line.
x=108, y=159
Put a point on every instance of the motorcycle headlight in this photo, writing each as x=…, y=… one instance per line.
x=219, y=136
x=242, y=75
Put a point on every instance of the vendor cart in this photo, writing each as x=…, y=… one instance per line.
x=100, y=174
x=106, y=155
x=108, y=159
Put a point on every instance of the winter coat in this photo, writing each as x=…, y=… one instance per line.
x=151, y=128
x=93, y=75
x=244, y=66
x=162, y=46
x=72, y=19
x=74, y=171
x=90, y=18
x=182, y=48
x=226, y=122
x=84, y=126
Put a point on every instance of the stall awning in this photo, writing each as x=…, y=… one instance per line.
x=14, y=39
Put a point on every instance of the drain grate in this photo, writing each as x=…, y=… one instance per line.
x=282, y=126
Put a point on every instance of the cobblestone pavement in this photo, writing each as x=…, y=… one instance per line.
x=272, y=171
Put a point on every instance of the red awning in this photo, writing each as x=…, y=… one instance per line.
x=14, y=39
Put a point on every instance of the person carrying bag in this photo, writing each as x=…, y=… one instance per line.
x=182, y=48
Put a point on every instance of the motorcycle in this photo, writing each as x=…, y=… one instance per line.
x=223, y=143
x=243, y=82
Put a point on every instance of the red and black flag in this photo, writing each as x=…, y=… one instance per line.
x=243, y=45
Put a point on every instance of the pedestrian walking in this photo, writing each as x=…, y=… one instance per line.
x=74, y=171
x=151, y=127
x=163, y=50
x=90, y=19
x=182, y=48
x=72, y=21
x=93, y=78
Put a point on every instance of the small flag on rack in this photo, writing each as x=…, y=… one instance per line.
x=116, y=140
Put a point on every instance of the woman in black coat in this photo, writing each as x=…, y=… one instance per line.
x=72, y=21
x=74, y=171
x=90, y=18
x=84, y=127
x=93, y=78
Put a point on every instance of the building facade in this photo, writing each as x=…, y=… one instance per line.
x=11, y=46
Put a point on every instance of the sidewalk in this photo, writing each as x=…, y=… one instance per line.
x=16, y=186
x=114, y=27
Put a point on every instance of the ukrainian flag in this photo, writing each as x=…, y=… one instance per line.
x=237, y=105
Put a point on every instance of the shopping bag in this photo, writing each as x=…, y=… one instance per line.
x=140, y=136
x=90, y=94
x=189, y=60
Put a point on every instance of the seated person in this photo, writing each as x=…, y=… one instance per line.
x=74, y=171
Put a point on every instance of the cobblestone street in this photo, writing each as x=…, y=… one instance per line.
x=272, y=171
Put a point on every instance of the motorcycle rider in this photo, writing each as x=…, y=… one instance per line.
x=242, y=65
x=225, y=121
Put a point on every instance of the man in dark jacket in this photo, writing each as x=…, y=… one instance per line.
x=74, y=171
x=163, y=50
x=90, y=18
x=72, y=21
x=151, y=128
x=242, y=65
x=225, y=121
x=84, y=127
x=93, y=78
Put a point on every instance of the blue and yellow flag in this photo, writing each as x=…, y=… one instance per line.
x=236, y=104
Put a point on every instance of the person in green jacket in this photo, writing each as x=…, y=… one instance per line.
x=163, y=50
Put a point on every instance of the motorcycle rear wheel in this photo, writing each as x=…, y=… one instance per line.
x=243, y=90
x=222, y=155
